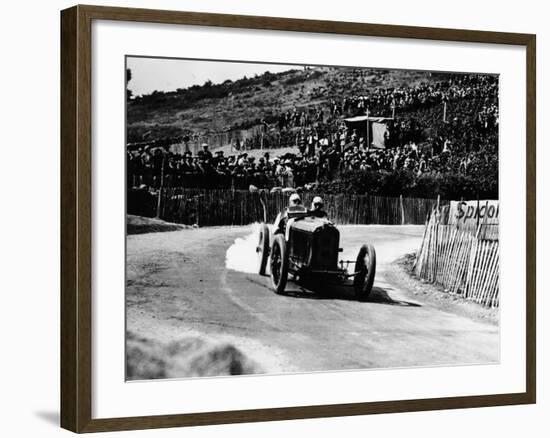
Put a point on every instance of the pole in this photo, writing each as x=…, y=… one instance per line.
x=477, y=211
x=444, y=111
x=402, y=210
x=368, y=129
x=160, y=186
x=457, y=222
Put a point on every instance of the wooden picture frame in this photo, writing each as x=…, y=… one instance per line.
x=76, y=218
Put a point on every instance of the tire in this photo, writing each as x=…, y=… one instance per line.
x=263, y=248
x=365, y=266
x=278, y=262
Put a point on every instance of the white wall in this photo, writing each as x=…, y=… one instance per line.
x=29, y=218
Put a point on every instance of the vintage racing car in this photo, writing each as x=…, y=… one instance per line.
x=307, y=247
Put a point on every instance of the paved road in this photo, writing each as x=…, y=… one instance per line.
x=179, y=284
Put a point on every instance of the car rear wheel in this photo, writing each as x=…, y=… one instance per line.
x=279, y=264
x=365, y=269
x=263, y=248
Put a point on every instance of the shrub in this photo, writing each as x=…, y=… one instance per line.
x=448, y=185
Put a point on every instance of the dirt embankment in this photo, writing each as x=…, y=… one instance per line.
x=142, y=225
x=402, y=274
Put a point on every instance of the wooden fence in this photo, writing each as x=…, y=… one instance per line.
x=239, y=207
x=464, y=263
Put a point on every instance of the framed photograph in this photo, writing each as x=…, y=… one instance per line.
x=269, y=218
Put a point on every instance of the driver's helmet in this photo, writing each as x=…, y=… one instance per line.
x=295, y=204
x=294, y=200
x=317, y=203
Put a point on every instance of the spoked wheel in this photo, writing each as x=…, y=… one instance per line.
x=263, y=248
x=365, y=268
x=279, y=264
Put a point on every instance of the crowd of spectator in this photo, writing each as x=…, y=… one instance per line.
x=462, y=95
x=382, y=100
x=324, y=147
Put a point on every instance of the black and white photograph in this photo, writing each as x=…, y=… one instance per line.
x=275, y=219
x=308, y=218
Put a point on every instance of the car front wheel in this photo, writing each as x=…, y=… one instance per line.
x=279, y=264
x=263, y=248
x=365, y=270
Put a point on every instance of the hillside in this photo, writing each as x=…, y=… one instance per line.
x=244, y=102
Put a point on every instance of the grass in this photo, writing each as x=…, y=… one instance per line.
x=244, y=102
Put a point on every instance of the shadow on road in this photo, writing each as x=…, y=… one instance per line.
x=344, y=292
x=379, y=295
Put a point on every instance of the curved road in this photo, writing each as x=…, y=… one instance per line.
x=178, y=284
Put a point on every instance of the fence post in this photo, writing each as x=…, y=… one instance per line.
x=199, y=210
x=158, y=202
x=160, y=185
x=402, y=210
x=477, y=212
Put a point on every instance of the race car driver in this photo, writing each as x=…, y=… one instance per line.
x=317, y=207
x=294, y=205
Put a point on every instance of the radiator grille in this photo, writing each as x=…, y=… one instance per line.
x=325, y=249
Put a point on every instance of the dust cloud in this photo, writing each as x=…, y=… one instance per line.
x=241, y=255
